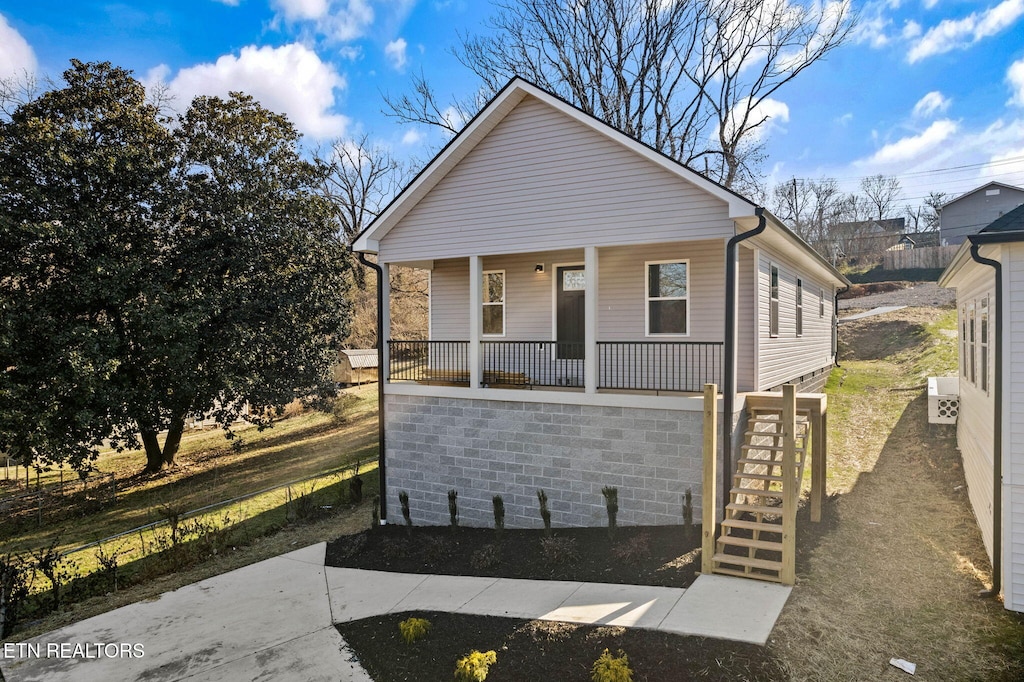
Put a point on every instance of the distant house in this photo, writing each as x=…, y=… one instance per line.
x=970, y=212
x=988, y=275
x=356, y=366
x=868, y=238
x=579, y=302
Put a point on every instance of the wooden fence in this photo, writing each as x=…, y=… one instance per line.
x=927, y=257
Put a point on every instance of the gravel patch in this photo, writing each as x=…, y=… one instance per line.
x=927, y=294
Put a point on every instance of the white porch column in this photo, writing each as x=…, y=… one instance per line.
x=590, y=320
x=476, y=282
x=384, y=325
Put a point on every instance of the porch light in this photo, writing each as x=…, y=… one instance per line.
x=539, y=267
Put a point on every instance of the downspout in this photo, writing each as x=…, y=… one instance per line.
x=835, y=325
x=381, y=374
x=997, y=440
x=729, y=371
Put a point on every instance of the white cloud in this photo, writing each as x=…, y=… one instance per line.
x=845, y=119
x=932, y=103
x=290, y=79
x=951, y=34
x=340, y=20
x=411, y=137
x=911, y=30
x=16, y=55
x=229, y=3
x=930, y=4
x=766, y=115
x=1015, y=76
x=913, y=147
x=395, y=52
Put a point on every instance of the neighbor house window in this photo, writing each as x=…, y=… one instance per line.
x=773, y=302
x=494, y=303
x=668, y=295
x=799, y=307
x=983, y=343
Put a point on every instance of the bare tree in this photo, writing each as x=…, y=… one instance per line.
x=811, y=208
x=882, y=193
x=19, y=89
x=691, y=78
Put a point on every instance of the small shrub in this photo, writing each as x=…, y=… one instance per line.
x=611, y=503
x=688, y=514
x=487, y=556
x=344, y=404
x=499, y=515
x=355, y=485
x=403, y=500
x=473, y=667
x=608, y=668
x=633, y=550
x=545, y=514
x=559, y=551
x=453, y=508
x=55, y=567
x=414, y=629
x=109, y=562
x=14, y=588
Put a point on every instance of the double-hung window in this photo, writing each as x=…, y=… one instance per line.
x=773, y=302
x=799, y=307
x=494, y=303
x=983, y=343
x=668, y=297
x=971, y=338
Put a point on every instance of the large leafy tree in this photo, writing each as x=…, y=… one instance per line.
x=154, y=274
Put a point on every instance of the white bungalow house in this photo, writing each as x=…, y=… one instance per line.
x=988, y=275
x=580, y=298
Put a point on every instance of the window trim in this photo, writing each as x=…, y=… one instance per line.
x=821, y=303
x=647, y=298
x=972, y=327
x=774, y=294
x=484, y=303
x=985, y=334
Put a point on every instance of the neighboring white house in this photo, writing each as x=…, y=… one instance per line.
x=578, y=305
x=971, y=211
x=988, y=274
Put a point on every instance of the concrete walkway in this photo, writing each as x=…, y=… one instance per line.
x=871, y=313
x=274, y=620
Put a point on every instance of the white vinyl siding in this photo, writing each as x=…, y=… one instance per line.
x=977, y=409
x=746, y=325
x=541, y=181
x=1013, y=423
x=786, y=356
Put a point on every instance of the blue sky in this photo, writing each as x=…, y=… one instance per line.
x=931, y=91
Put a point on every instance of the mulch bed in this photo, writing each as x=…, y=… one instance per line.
x=639, y=555
x=540, y=650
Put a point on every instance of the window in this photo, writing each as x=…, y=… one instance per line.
x=821, y=303
x=963, y=341
x=667, y=297
x=971, y=328
x=773, y=303
x=799, y=307
x=494, y=303
x=983, y=343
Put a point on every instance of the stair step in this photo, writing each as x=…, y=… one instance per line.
x=760, y=477
x=767, y=545
x=772, y=448
x=760, y=526
x=767, y=462
x=754, y=491
x=766, y=434
x=753, y=508
x=742, y=574
x=734, y=560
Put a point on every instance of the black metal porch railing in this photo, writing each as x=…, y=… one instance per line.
x=659, y=365
x=434, y=361
x=532, y=363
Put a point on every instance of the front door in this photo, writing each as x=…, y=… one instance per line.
x=570, y=300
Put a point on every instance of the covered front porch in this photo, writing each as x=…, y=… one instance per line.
x=639, y=318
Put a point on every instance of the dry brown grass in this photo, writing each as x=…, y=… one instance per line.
x=898, y=575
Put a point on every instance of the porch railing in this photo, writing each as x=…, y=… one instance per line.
x=622, y=365
x=659, y=365
x=532, y=363
x=437, y=361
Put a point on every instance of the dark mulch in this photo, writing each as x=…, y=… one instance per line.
x=540, y=650
x=640, y=555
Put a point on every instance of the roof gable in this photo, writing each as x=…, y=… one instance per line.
x=485, y=122
x=986, y=186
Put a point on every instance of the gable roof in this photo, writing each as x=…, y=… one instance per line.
x=490, y=116
x=987, y=185
x=1008, y=227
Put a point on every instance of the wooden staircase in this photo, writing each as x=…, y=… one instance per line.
x=758, y=531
